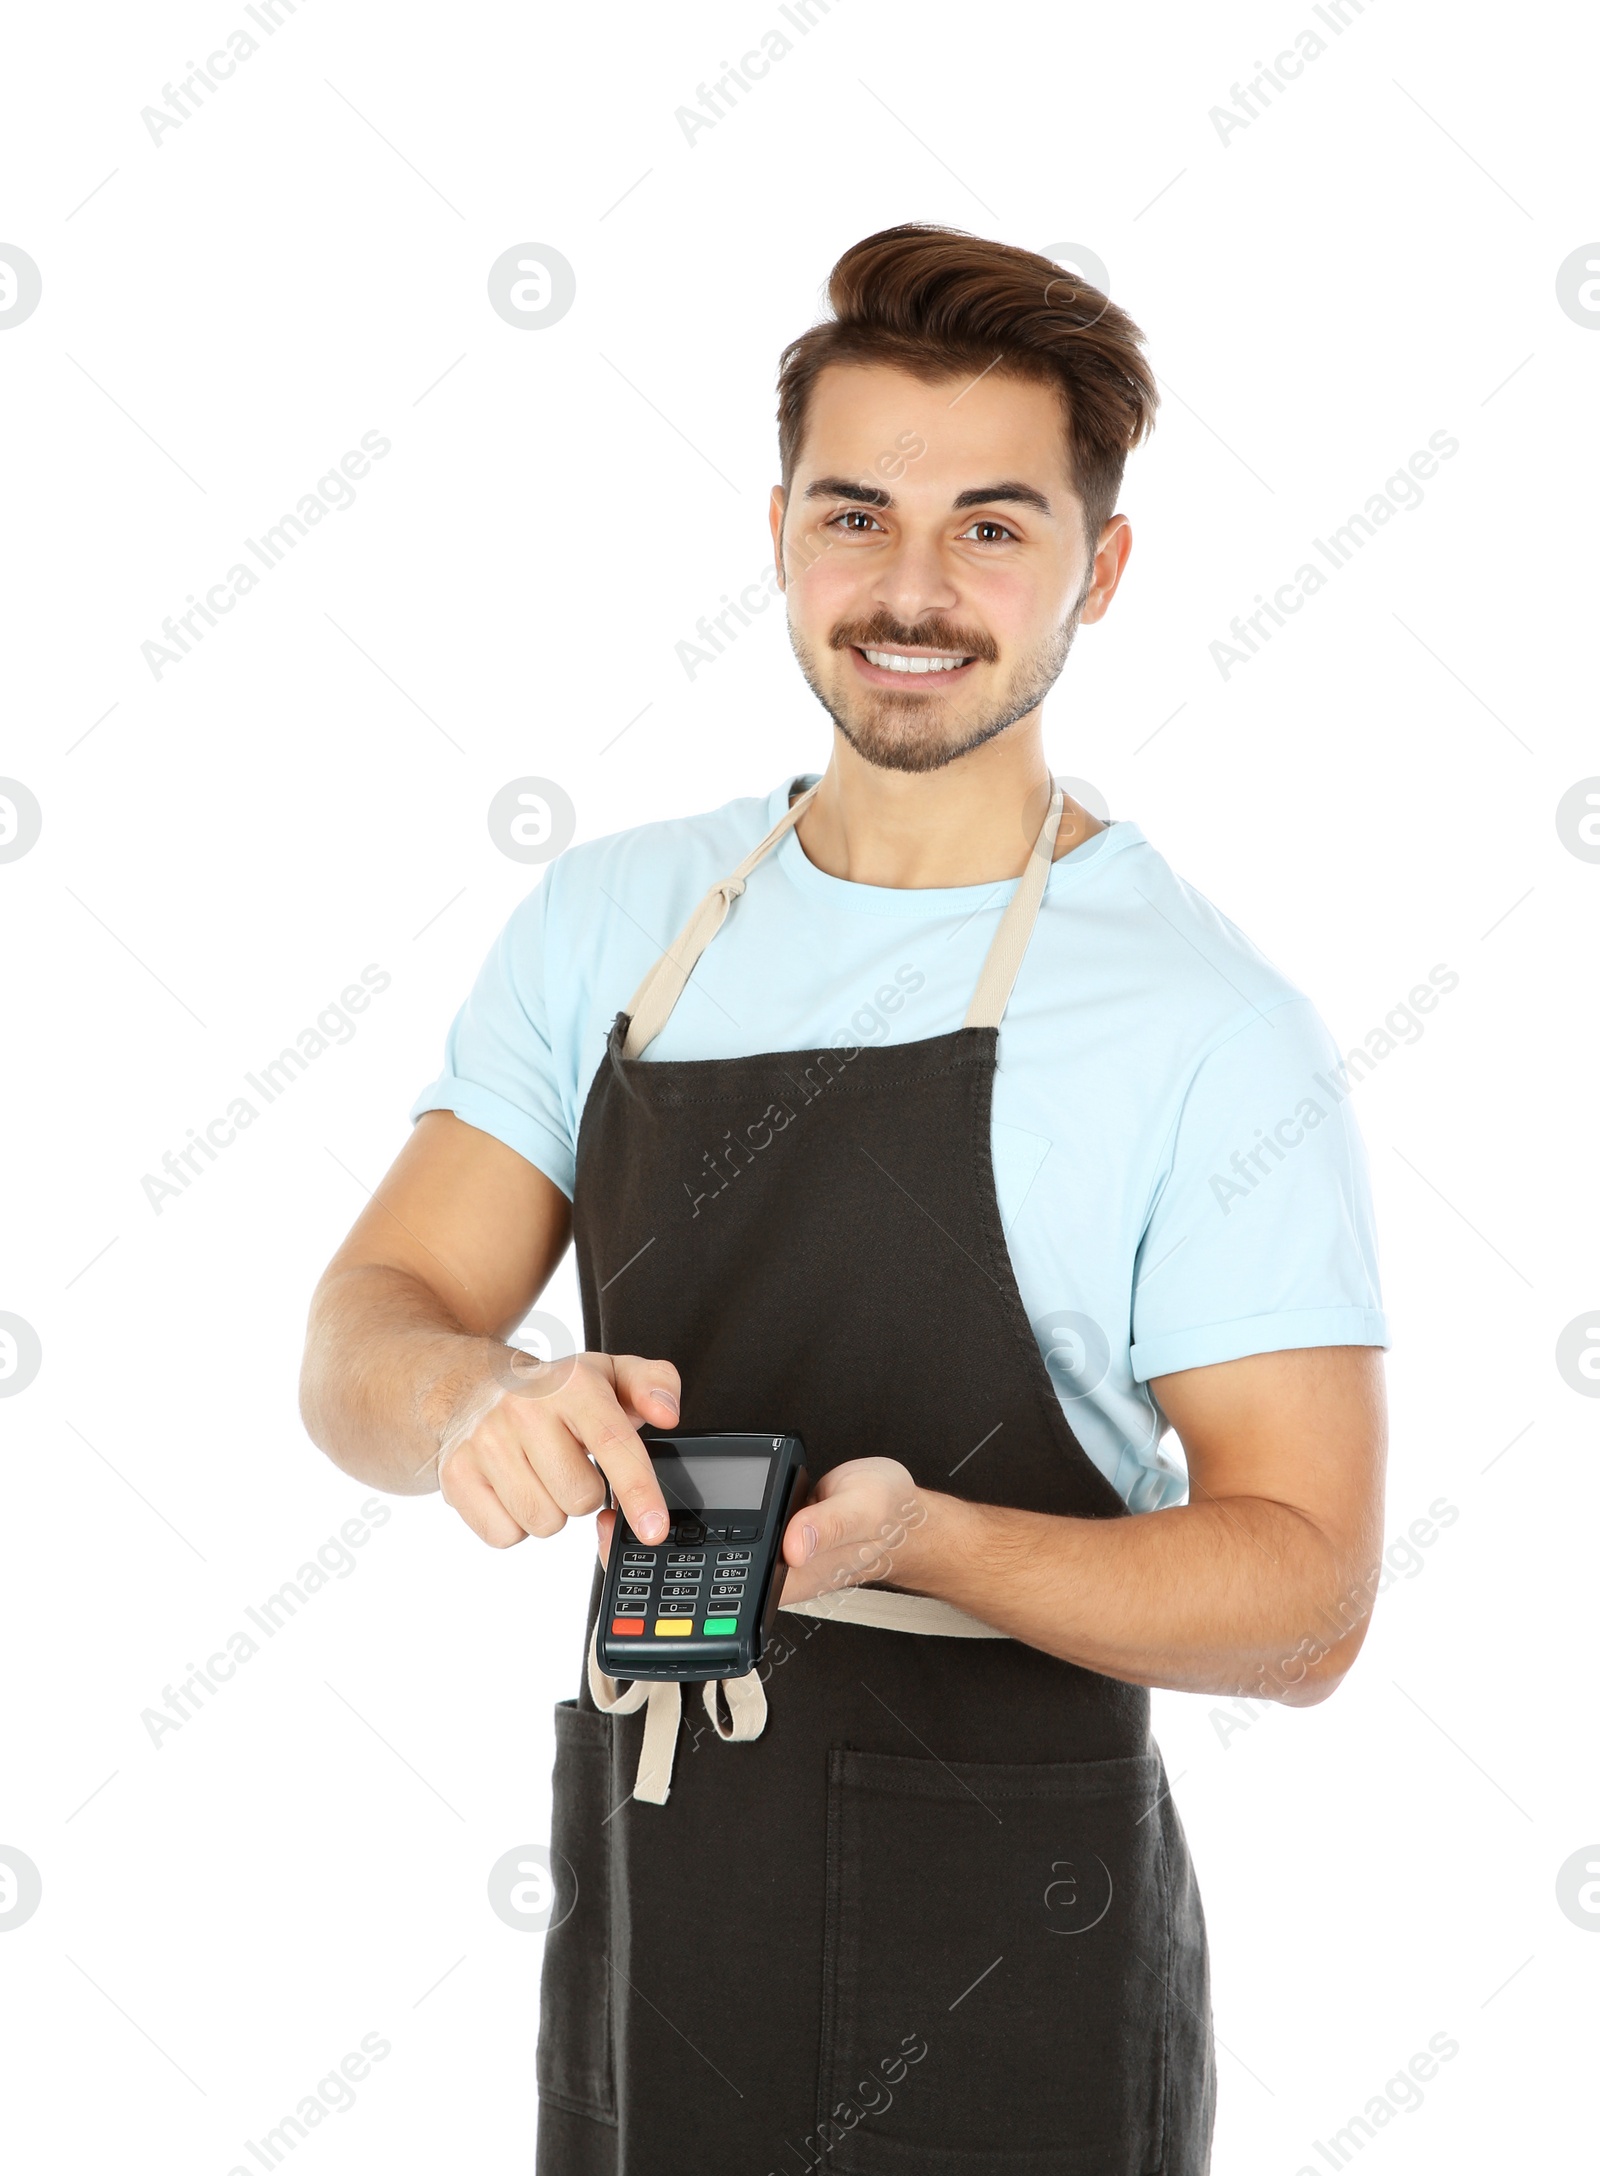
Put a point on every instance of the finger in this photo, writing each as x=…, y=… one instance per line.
x=469, y=1495
x=604, y=1527
x=498, y=1453
x=590, y=1409
x=555, y=1455
x=651, y=1389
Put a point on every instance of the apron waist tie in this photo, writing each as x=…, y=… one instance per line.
x=662, y=1699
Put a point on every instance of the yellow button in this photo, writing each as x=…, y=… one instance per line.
x=667, y=1626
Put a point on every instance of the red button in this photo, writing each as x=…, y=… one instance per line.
x=627, y=1624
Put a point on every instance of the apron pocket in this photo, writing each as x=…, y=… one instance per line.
x=996, y=1968
x=574, y=2064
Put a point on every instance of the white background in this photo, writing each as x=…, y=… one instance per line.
x=305, y=260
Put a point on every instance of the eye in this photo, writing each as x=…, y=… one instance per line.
x=854, y=519
x=996, y=531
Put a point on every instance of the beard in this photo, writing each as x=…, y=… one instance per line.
x=918, y=731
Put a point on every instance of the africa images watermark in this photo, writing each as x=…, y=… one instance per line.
x=1251, y=100
x=335, y=1559
x=868, y=2097
x=737, y=612
x=1402, y=2095
x=757, y=595
x=718, y=99
x=206, y=78
x=1400, y=1024
x=334, y=494
x=1274, y=1682
x=1402, y=1559
x=733, y=1155
x=874, y=1563
x=332, y=1025
x=1402, y=492
x=335, y=2095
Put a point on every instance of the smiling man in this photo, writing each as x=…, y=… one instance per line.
x=905, y=730
x=905, y=1143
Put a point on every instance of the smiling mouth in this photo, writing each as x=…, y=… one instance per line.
x=921, y=663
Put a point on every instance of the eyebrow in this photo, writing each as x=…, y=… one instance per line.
x=1008, y=493
x=1015, y=494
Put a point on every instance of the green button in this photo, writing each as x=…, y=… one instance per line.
x=718, y=1627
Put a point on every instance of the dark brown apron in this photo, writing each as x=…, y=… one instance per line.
x=938, y=1917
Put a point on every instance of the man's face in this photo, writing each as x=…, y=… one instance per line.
x=934, y=558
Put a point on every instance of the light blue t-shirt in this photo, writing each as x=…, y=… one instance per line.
x=1179, y=1176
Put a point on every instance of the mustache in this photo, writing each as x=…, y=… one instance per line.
x=883, y=629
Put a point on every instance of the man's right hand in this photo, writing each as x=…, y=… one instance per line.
x=407, y=1378
x=528, y=1452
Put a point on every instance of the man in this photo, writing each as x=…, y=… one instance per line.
x=955, y=1134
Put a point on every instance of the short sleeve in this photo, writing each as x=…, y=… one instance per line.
x=500, y=1072
x=1260, y=1237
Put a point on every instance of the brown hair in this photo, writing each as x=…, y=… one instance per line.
x=940, y=303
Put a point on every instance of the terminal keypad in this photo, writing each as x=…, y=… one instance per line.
x=667, y=1589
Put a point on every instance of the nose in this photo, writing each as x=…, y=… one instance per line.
x=912, y=581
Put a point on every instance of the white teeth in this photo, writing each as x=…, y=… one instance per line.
x=886, y=662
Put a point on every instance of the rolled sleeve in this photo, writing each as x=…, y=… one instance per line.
x=1261, y=1235
x=500, y=1073
x=478, y=1106
x=1203, y=1348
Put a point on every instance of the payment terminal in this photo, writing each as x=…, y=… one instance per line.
x=700, y=1604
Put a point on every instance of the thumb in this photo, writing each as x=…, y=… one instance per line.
x=818, y=1526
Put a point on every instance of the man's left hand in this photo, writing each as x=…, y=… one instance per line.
x=854, y=1529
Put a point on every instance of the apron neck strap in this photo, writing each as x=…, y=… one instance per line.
x=990, y=998
x=652, y=1003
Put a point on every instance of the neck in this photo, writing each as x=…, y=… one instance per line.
x=972, y=822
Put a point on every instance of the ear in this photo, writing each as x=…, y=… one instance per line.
x=1110, y=558
x=775, y=513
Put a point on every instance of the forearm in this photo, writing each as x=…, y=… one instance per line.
x=388, y=1371
x=1242, y=1597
